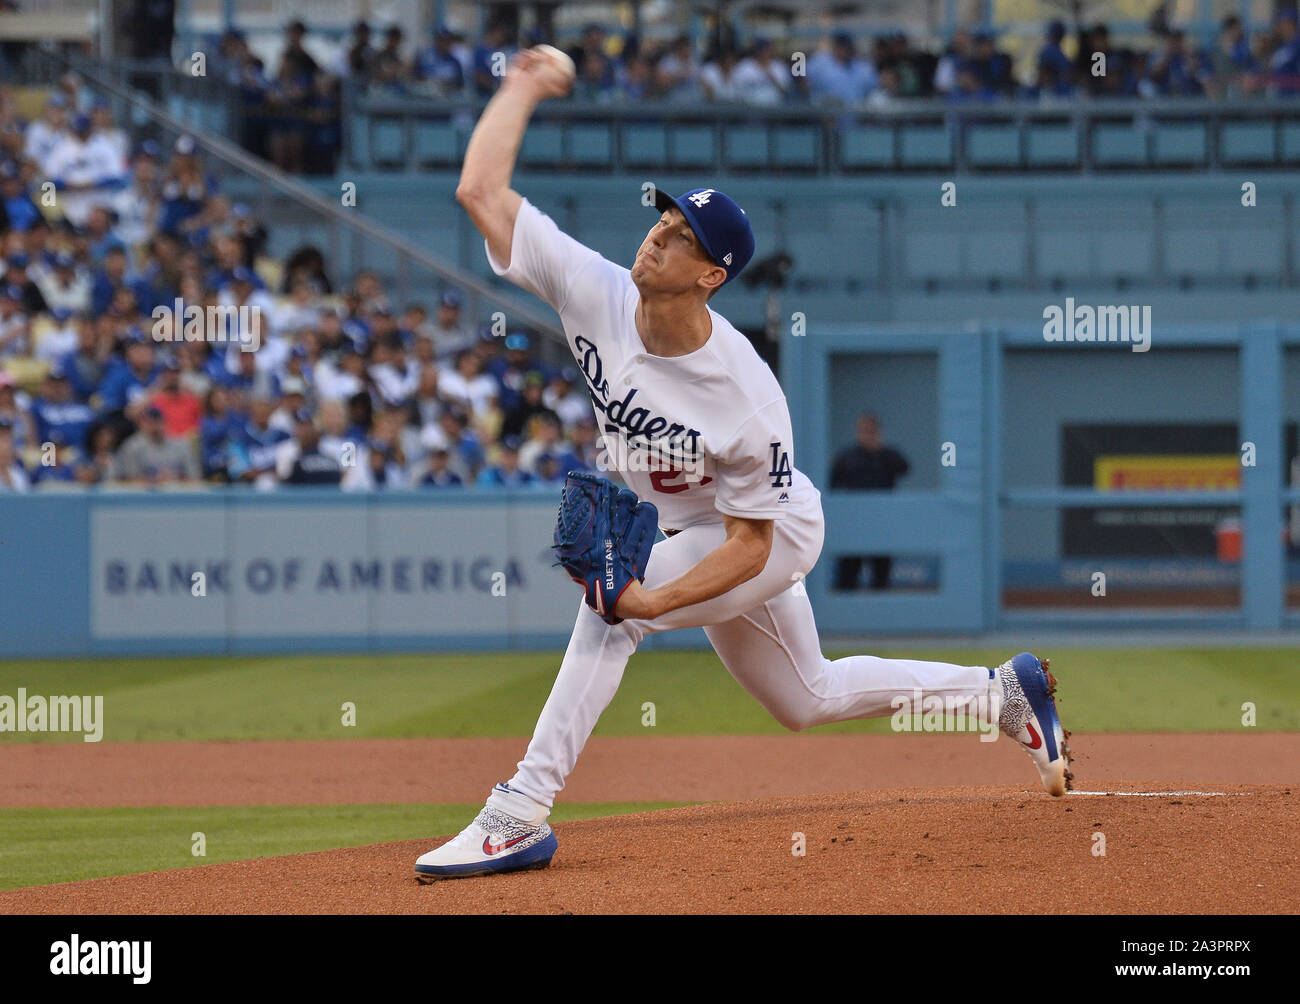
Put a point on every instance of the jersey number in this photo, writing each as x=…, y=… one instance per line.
x=666, y=481
x=781, y=473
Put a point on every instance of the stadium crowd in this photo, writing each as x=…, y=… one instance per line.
x=292, y=109
x=842, y=69
x=292, y=105
x=125, y=358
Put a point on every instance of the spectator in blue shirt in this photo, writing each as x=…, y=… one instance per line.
x=131, y=375
x=1095, y=42
x=251, y=450
x=512, y=368
x=1054, y=65
x=993, y=68
x=219, y=425
x=59, y=416
x=461, y=439
x=492, y=53
x=505, y=473
x=1172, y=72
x=20, y=211
x=85, y=365
x=840, y=74
x=590, y=55
x=439, y=474
x=970, y=89
x=112, y=276
x=99, y=231
x=1285, y=65
x=437, y=64
x=64, y=467
x=184, y=189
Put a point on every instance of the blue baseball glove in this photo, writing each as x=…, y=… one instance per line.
x=603, y=537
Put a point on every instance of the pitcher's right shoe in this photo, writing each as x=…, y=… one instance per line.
x=497, y=841
x=1028, y=715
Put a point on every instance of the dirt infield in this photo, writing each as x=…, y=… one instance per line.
x=949, y=850
x=612, y=769
x=929, y=824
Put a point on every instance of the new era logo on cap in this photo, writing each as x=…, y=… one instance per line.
x=722, y=227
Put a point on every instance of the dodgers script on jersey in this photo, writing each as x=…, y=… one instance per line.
x=700, y=435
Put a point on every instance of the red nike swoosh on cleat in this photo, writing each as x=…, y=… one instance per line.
x=490, y=848
x=1038, y=740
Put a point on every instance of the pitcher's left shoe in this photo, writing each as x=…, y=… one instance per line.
x=1028, y=715
x=497, y=841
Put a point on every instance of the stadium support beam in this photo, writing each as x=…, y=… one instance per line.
x=1263, y=583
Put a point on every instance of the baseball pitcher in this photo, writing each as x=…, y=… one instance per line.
x=699, y=431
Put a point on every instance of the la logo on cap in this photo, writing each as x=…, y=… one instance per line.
x=726, y=258
x=702, y=198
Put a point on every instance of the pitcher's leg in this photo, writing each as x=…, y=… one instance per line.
x=588, y=679
x=593, y=669
x=774, y=652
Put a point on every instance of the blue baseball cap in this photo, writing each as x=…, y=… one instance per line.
x=722, y=227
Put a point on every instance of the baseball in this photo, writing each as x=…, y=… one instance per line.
x=561, y=59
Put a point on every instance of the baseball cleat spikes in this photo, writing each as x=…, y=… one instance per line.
x=1065, y=733
x=1028, y=715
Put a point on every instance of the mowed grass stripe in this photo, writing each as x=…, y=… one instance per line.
x=501, y=694
x=41, y=846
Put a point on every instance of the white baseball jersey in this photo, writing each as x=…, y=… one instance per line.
x=702, y=435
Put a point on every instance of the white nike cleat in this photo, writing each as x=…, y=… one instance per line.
x=1023, y=690
x=497, y=841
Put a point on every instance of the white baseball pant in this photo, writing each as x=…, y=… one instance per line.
x=764, y=633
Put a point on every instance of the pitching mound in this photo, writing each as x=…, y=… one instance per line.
x=940, y=850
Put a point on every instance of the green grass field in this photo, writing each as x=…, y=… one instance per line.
x=500, y=694
x=39, y=846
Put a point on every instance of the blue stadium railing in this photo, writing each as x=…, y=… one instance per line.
x=930, y=135
x=411, y=134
